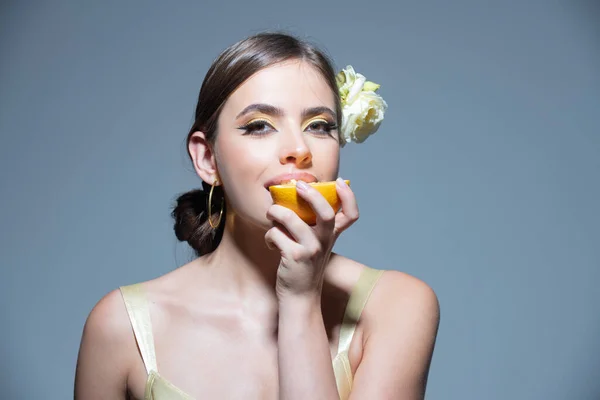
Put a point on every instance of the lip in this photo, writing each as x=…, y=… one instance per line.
x=299, y=176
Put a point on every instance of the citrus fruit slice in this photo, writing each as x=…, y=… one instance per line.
x=285, y=195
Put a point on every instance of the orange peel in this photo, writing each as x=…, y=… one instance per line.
x=285, y=195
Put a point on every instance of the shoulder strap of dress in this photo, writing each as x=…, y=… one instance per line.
x=139, y=315
x=356, y=303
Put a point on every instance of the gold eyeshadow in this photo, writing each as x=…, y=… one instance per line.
x=259, y=119
x=321, y=119
x=317, y=119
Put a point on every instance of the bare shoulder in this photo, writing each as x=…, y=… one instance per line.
x=108, y=327
x=108, y=320
x=107, y=350
x=397, y=295
x=399, y=328
x=399, y=291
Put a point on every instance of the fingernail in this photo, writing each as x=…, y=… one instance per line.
x=341, y=182
x=302, y=185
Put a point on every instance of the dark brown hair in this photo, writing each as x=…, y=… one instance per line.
x=234, y=66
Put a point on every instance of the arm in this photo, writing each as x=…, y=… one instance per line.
x=102, y=364
x=400, y=332
x=400, y=328
x=305, y=369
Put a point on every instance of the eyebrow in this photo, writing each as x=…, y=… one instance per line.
x=278, y=112
x=311, y=112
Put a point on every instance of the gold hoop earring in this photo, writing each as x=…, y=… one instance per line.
x=214, y=226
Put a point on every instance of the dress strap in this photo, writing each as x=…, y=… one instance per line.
x=139, y=315
x=356, y=303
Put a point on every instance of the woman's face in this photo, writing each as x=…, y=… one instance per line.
x=278, y=125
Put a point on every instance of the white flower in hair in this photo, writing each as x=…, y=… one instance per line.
x=362, y=108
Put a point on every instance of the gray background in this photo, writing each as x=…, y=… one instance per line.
x=483, y=180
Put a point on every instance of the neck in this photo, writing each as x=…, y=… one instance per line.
x=246, y=266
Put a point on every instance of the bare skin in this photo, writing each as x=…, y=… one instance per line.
x=224, y=350
x=259, y=317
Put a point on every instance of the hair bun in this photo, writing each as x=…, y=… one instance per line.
x=189, y=214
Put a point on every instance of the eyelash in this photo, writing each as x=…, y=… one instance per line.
x=253, y=128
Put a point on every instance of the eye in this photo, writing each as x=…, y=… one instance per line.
x=257, y=128
x=321, y=127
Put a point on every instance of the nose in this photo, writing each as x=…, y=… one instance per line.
x=295, y=150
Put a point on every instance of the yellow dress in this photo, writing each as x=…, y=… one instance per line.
x=158, y=388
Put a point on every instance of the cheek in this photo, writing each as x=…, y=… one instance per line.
x=242, y=164
x=326, y=160
x=244, y=159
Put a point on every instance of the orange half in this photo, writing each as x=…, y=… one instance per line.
x=285, y=195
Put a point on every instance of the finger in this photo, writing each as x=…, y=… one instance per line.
x=293, y=224
x=349, y=211
x=325, y=214
x=275, y=238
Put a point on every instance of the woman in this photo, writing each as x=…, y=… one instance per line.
x=266, y=311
